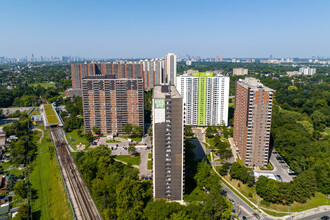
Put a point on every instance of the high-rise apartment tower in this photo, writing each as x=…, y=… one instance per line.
x=109, y=103
x=252, y=121
x=171, y=69
x=205, y=98
x=168, y=147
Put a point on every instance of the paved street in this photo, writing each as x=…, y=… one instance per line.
x=12, y=110
x=245, y=209
x=317, y=216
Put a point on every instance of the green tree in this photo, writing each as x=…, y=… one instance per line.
x=89, y=136
x=137, y=131
x=130, y=195
x=128, y=128
x=150, y=130
x=20, y=189
x=223, y=170
x=209, y=132
x=187, y=130
x=215, y=207
x=132, y=149
x=11, y=181
x=96, y=130
x=203, y=172
x=319, y=120
x=160, y=209
x=224, y=150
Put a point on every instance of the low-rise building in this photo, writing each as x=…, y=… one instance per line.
x=240, y=71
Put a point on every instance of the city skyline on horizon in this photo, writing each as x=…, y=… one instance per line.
x=134, y=29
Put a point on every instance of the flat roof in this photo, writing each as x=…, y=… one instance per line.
x=108, y=77
x=51, y=114
x=159, y=93
x=253, y=83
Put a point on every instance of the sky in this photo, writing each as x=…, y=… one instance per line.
x=145, y=28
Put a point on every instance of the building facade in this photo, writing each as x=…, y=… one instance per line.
x=307, y=71
x=168, y=147
x=153, y=72
x=109, y=103
x=240, y=71
x=171, y=69
x=205, y=98
x=252, y=121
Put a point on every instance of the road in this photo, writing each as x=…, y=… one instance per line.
x=200, y=152
x=318, y=216
x=14, y=109
x=245, y=209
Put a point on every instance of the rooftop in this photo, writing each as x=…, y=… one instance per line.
x=113, y=77
x=253, y=83
x=161, y=91
x=50, y=114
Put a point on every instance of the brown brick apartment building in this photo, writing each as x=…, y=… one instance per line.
x=151, y=71
x=252, y=121
x=110, y=103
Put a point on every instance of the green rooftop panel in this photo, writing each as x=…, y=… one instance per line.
x=203, y=74
x=50, y=114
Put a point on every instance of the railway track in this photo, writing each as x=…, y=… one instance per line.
x=82, y=202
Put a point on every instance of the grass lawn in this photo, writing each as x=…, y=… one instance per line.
x=134, y=160
x=16, y=172
x=52, y=200
x=137, y=139
x=232, y=104
x=327, y=130
x=149, y=155
x=112, y=141
x=208, y=156
x=210, y=141
x=76, y=139
x=196, y=195
x=149, y=165
x=44, y=85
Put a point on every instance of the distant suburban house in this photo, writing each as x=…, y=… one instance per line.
x=4, y=209
x=21, y=166
x=37, y=118
x=2, y=139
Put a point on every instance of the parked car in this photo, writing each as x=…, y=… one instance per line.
x=278, y=177
x=232, y=201
x=285, y=166
x=290, y=171
x=256, y=215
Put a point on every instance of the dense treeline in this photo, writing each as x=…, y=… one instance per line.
x=299, y=190
x=119, y=194
x=46, y=73
x=23, y=94
x=240, y=172
x=23, y=147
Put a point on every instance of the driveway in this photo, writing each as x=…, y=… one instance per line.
x=144, y=172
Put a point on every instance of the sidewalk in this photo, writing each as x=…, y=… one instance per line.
x=233, y=148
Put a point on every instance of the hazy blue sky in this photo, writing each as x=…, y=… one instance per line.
x=143, y=28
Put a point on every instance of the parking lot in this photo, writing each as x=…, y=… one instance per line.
x=281, y=168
